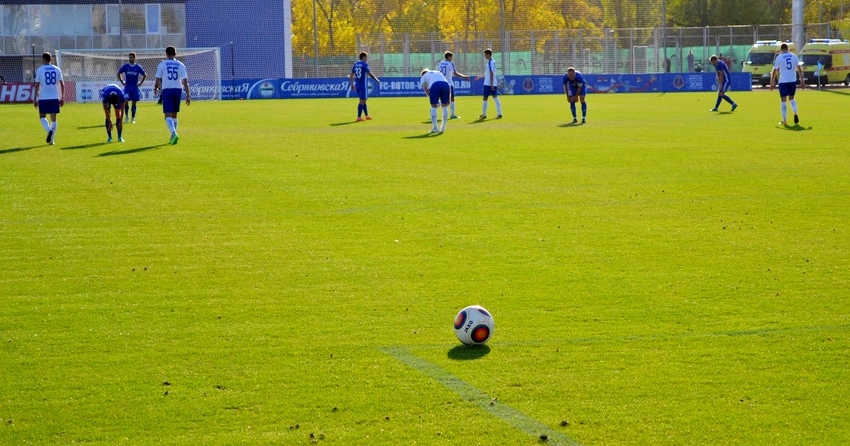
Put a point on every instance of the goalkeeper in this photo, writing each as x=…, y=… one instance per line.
x=113, y=96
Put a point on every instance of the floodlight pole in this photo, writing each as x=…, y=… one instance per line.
x=797, y=31
x=664, y=31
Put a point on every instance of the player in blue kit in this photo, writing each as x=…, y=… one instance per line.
x=787, y=65
x=576, y=89
x=131, y=84
x=172, y=79
x=112, y=96
x=48, y=95
x=357, y=79
x=723, y=83
x=437, y=88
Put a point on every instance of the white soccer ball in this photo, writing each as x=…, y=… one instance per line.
x=474, y=325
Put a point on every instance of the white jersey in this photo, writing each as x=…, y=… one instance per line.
x=172, y=72
x=431, y=77
x=448, y=69
x=48, y=76
x=786, y=63
x=491, y=68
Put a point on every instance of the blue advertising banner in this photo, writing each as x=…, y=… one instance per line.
x=278, y=88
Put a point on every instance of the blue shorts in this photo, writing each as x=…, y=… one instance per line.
x=132, y=94
x=573, y=90
x=120, y=105
x=787, y=89
x=48, y=106
x=724, y=87
x=452, y=92
x=440, y=92
x=362, y=91
x=488, y=91
x=171, y=100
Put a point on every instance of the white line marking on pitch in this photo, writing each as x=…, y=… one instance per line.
x=478, y=397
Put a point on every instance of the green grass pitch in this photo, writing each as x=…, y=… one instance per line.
x=662, y=275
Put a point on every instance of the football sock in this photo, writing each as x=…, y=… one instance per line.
x=784, y=108
x=134, y=111
x=170, y=123
x=573, y=109
x=794, y=106
x=53, y=126
x=434, y=116
x=109, y=128
x=359, y=110
x=728, y=99
x=498, y=105
x=445, y=115
x=365, y=110
x=126, y=109
x=484, y=109
x=453, y=108
x=45, y=124
x=719, y=98
x=174, y=120
x=584, y=109
x=120, y=127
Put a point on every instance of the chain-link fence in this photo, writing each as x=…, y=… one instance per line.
x=631, y=50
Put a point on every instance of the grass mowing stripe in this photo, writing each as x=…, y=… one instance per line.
x=478, y=397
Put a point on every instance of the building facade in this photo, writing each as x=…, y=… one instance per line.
x=250, y=33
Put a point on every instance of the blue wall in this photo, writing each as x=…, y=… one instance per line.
x=255, y=27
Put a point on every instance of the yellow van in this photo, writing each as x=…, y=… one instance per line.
x=834, y=56
x=760, y=60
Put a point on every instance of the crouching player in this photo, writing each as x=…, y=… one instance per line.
x=437, y=88
x=113, y=96
x=576, y=88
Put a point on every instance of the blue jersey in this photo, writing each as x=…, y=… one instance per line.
x=575, y=82
x=131, y=75
x=108, y=90
x=360, y=70
x=721, y=67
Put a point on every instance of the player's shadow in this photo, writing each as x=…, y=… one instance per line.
x=426, y=135
x=794, y=128
x=571, y=124
x=827, y=90
x=127, y=152
x=337, y=124
x=84, y=146
x=91, y=127
x=468, y=352
x=18, y=149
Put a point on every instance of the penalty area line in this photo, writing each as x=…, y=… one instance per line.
x=479, y=398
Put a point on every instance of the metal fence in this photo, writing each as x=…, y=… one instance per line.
x=631, y=50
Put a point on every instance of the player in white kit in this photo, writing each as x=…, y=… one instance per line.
x=788, y=66
x=447, y=67
x=48, y=95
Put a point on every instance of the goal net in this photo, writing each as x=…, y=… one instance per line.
x=91, y=70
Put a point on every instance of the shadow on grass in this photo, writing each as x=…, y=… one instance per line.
x=572, y=124
x=127, y=152
x=337, y=124
x=91, y=127
x=829, y=90
x=793, y=128
x=84, y=146
x=18, y=149
x=427, y=135
x=468, y=352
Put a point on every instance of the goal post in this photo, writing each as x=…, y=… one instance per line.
x=91, y=70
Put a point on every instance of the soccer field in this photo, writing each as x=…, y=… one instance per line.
x=661, y=275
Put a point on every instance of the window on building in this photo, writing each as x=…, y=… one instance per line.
x=113, y=22
x=132, y=19
x=173, y=18
x=153, y=16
